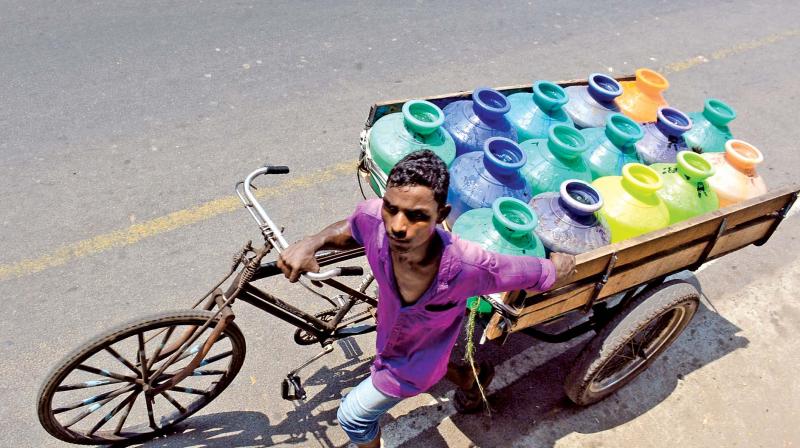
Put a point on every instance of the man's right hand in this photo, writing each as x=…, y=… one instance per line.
x=564, y=263
x=299, y=258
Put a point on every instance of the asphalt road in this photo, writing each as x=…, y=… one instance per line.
x=124, y=126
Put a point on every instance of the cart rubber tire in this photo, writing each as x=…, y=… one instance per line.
x=67, y=364
x=649, y=308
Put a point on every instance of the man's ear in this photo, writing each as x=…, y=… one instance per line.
x=444, y=212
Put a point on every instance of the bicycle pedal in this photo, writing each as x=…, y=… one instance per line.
x=291, y=389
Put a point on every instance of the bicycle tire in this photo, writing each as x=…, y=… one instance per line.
x=70, y=365
x=596, y=374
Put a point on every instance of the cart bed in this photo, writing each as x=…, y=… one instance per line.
x=619, y=267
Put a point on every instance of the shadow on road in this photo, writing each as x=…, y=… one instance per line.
x=535, y=403
x=306, y=425
x=537, y=406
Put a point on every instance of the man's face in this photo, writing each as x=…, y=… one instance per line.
x=410, y=214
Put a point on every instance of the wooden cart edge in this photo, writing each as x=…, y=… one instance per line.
x=618, y=267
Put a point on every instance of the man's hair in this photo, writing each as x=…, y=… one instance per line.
x=422, y=168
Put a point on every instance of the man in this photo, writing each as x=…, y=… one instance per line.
x=424, y=276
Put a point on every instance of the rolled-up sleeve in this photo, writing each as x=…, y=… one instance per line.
x=363, y=220
x=500, y=273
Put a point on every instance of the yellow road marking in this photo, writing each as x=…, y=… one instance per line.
x=723, y=53
x=162, y=224
x=182, y=218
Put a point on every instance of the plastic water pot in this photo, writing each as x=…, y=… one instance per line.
x=417, y=127
x=589, y=106
x=553, y=160
x=612, y=147
x=477, y=179
x=507, y=228
x=710, y=127
x=471, y=123
x=631, y=206
x=663, y=140
x=567, y=221
x=641, y=98
x=532, y=114
x=686, y=192
x=736, y=179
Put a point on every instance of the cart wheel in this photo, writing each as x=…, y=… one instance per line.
x=631, y=341
x=103, y=391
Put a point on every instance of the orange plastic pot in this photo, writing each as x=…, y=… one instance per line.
x=736, y=178
x=641, y=98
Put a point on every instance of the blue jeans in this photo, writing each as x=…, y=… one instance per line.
x=361, y=409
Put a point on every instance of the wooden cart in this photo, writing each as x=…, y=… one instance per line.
x=620, y=291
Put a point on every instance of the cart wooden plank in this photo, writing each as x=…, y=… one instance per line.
x=387, y=107
x=636, y=261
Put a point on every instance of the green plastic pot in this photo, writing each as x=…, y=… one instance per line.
x=686, y=193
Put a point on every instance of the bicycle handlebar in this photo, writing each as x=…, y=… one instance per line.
x=276, y=169
x=271, y=232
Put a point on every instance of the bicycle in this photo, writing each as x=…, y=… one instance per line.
x=178, y=362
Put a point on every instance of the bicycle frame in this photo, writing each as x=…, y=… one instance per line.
x=242, y=287
x=279, y=308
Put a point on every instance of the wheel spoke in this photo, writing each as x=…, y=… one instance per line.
x=174, y=357
x=107, y=374
x=191, y=352
x=216, y=358
x=195, y=348
x=189, y=390
x=125, y=413
x=199, y=372
x=122, y=359
x=113, y=412
x=636, y=348
x=148, y=399
x=160, y=347
x=173, y=402
x=94, y=399
x=86, y=384
x=142, y=357
x=87, y=412
x=91, y=397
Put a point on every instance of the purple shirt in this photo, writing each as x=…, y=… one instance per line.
x=414, y=342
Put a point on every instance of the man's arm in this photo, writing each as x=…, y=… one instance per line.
x=510, y=272
x=299, y=257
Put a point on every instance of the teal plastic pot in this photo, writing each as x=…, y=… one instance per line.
x=612, y=147
x=553, y=160
x=417, y=127
x=532, y=114
x=507, y=228
x=710, y=130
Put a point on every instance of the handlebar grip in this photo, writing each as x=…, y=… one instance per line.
x=276, y=169
x=351, y=271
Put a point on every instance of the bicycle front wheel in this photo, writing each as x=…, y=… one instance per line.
x=104, y=391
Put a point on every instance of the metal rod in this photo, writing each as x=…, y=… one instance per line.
x=325, y=350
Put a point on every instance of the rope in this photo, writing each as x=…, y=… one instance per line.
x=470, y=351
